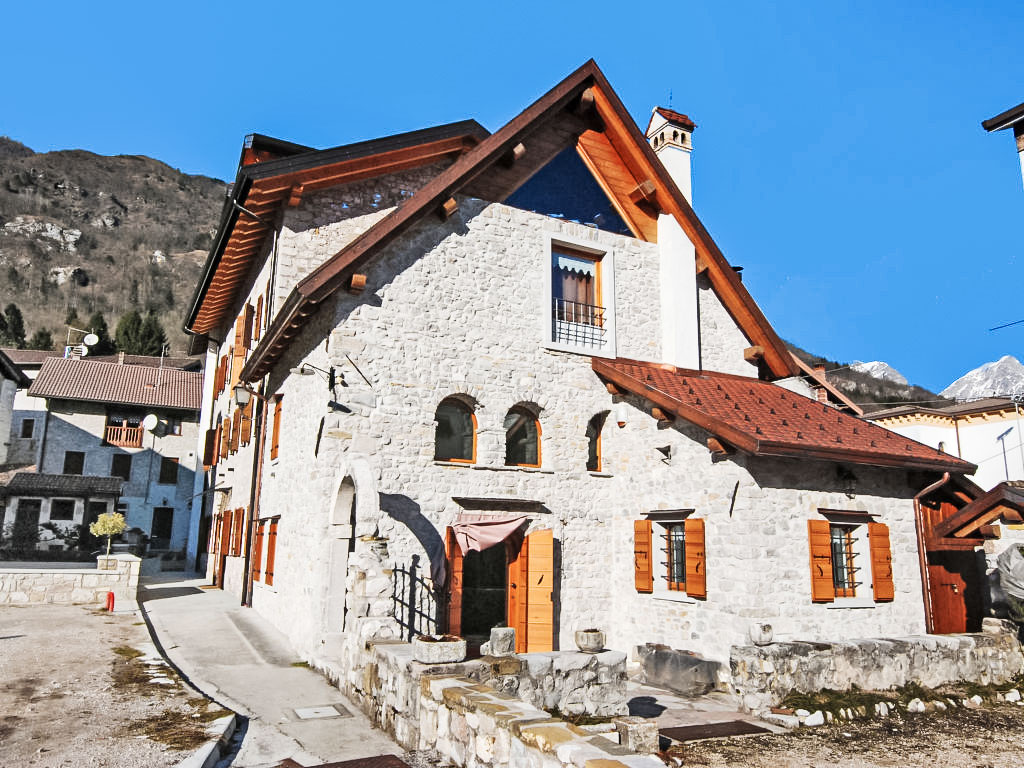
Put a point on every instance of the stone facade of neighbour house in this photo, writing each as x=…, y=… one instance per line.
x=456, y=301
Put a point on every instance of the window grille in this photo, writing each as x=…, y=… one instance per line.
x=675, y=556
x=844, y=568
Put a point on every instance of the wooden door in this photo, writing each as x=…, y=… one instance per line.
x=955, y=584
x=531, y=586
x=454, y=555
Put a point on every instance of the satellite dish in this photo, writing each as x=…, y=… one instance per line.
x=82, y=350
x=150, y=422
x=91, y=339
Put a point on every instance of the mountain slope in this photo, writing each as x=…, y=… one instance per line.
x=96, y=233
x=1002, y=378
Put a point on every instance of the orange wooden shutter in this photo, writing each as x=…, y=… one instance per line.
x=881, y=562
x=247, y=313
x=225, y=532
x=218, y=379
x=275, y=435
x=210, y=449
x=246, y=423
x=237, y=363
x=271, y=552
x=216, y=446
x=224, y=362
x=823, y=589
x=236, y=429
x=225, y=437
x=454, y=555
x=257, y=552
x=515, y=615
x=696, y=560
x=236, y=534
x=540, y=585
x=643, y=547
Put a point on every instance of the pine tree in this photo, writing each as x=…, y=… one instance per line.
x=127, y=334
x=98, y=324
x=41, y=339
x=14, y=335
x=152, y=338
x=71, y=318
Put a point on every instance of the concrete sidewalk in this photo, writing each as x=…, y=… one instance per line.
x=234, y=657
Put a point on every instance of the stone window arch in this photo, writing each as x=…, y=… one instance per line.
x=595, y=462
x=522, y=437
x=455, y=431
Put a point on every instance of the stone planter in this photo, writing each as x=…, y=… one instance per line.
x=438, y=649
x=760, y=634
x=590, y=640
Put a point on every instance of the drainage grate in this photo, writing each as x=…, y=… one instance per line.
x=712, y=730
x=321, y=712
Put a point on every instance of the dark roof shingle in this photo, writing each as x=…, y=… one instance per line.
x=76, y=379
x=24, y=483
x=766, y=420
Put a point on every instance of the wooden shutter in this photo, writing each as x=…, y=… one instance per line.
x=211, y=537
x=516, y=605
x=268, y=577
x=881, y=562
x=237, y=363
x=225, y=437
x=210, y=449
x=247, y=313
x=218, y=379
x=257, y=552
x=643, y=548
x=540, y=585
x=236, y=429
x=225, y=532
x=454, y=555
x=236, y=534
x=247, y=422
x=224, y=362
x=823, y=589
x=696, y=560
x=275, y=435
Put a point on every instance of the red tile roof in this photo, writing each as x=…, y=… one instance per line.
x=37, y=356
x=766, y=420
x=676, y=117
x=76, y=379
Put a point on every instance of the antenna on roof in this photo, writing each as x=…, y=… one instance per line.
x=80, y=349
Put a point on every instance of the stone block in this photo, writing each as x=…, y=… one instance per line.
x=637, y=734
x=680, y=671
x=503, y=641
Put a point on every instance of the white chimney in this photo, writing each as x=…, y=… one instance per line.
x=671, y=136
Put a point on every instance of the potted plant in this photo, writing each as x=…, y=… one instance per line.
x=590, y=640
x=108, y=524
x=438, y=649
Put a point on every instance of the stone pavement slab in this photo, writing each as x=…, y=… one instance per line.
x=229, y=653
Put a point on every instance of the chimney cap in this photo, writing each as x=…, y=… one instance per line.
x=677, y=118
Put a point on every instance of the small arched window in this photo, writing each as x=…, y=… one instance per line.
x=522, y=438
x=594, y=427
x=455, y=434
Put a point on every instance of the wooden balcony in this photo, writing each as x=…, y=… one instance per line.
x=126, y=437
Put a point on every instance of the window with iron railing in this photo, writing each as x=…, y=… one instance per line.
x=844, y=569
x=577, y=316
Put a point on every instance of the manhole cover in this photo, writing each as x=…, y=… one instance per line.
x=321, y=712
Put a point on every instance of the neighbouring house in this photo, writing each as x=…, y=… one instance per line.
x=108, y=436
x=12, y=378
x=1011, y=118
x=516, y=369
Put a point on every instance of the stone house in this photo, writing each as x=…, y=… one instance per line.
x=12, y=378
x=516, y=371
x=109, y=436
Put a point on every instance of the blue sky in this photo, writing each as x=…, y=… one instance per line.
x=839, y=156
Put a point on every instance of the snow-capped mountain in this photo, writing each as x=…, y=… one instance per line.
x=1003, y=378
x=879, y=370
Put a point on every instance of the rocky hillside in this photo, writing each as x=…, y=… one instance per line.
x=871, y=392
x=95, y=233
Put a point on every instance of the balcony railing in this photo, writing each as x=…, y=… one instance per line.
x=126, y=437
x=576, y=323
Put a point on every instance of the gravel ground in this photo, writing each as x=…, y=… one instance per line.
x=81, y=687
x=988, y=737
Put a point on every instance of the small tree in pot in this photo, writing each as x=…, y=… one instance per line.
x=108, y=524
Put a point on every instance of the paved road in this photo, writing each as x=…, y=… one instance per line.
x=230, y=654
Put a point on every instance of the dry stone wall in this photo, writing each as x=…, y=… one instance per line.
x=26, y=586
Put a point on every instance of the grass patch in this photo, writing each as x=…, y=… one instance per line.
x=175, y=729
x=302, y=664
x=126, y=652
x=828, y=700
x=206, y=711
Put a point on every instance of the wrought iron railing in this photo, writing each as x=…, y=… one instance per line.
x=576, y=323
x=126, y=437
x=415, y=602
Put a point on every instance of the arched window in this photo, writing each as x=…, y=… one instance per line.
x=455, y=434
x=522, y=438
x=594, y=427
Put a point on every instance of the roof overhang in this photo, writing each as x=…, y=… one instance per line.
x=1003, y=120
x=1005, y=501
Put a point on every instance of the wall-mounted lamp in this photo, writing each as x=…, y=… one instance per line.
x=308, y=369
x=243, y=393
x=621, y=415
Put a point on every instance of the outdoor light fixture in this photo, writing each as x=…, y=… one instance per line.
x=307, y=369
x=621, y=415
x=243, y=393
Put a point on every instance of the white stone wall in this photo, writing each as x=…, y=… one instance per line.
x=720, y=338
x=8, y=389
x=452, y=309
x=118, y=574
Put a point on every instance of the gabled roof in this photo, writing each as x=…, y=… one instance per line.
x=1005, y=500
x=821, y=380
x=763, y=419
x=673, y=117
x=582, y=109
x=9, y=370
x=32, y=483
x=86, y=380
x=274, y=173
x=967, y=408
x=1004, y=119
x=36, y=357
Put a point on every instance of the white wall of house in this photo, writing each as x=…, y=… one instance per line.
x=8, y=390
x=452, y=309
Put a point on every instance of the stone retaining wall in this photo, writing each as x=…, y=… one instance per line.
x=763, y=676
x=118, y=574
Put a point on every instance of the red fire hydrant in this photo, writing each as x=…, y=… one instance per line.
x=110, y=601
